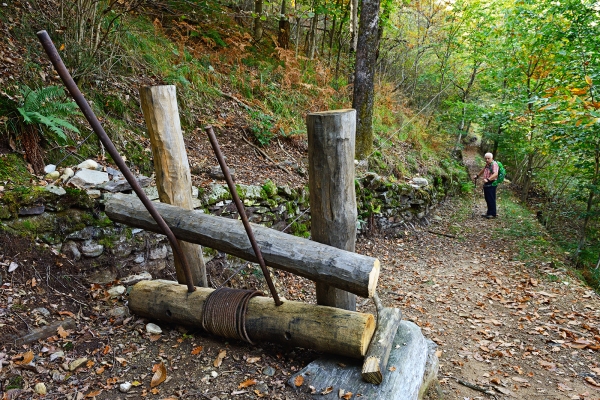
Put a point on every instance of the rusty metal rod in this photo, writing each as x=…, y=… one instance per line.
x=242, y=212
x=112, y=150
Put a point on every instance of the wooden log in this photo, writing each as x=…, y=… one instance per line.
x=331, y=136
x=173, y=177
x=321, y=328
x=45, y=331
x=378, y=354
x=339, y=268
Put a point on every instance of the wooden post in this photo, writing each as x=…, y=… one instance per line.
x=331, y=136
x=173, y=178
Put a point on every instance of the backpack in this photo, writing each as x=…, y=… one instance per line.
x=501, y=173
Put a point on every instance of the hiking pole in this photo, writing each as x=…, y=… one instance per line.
x=71, y=86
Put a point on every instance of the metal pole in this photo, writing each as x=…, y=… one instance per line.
x=242, y=212
x=112, y=150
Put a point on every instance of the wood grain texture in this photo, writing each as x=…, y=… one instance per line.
x=173, y=177
x=293, y=323
x=379, y=350
x=342, y=269
x=331, y=136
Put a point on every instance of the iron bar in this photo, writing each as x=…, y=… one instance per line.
x=112, y=150
x=241, y=211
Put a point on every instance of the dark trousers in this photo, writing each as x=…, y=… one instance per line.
x=489, y=192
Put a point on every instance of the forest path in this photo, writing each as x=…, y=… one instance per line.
x=526, y=329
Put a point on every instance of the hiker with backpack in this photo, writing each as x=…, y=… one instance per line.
x=493, y=174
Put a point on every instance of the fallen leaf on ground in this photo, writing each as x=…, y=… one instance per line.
x=299, y=380
x=219, y=359
x=327, y=390
x=24, y=358
x=591, y=381
x=196, y=350
x=563, y=388
x=251, y=360
x=246, y=383
x=160, y=374
x=61, y=332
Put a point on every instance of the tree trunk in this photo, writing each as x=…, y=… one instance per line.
x=590, y=204
x=353, y=25
x=173, y=177
x=363, y=95
x=528, y=177
x=293, y=323
x=283, y=38
x=331, y=187
x=258, y=24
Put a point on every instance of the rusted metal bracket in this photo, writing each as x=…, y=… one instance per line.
x=242, y=212
x=112, y=150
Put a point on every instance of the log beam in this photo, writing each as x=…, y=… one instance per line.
x=293, y=323
x=378, y=354
x=342, y=269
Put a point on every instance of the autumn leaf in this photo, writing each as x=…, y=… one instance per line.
x=347, y=396
x=246, y=383
x=252, y=360
x=154, y=338
x=24, y=358
x=90, y=364
x=121, y=360
x=196, y=350
x=327, y=390
x=588, y=80
x=563, y=388
x=219, y=360
x=69, y=313
x=106, y=350
x=579, y=92
x=155, y=391
x=61, y=332
x=392, y=368
x=160, y=374
x=93, y=394
x=100, y=371
x=33, y=282
x=591, y=381
x=298, y=381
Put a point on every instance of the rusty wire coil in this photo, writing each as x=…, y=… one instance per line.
x=224, y=313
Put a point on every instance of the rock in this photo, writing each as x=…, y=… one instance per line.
x=115, y=173
x=116, y=291
x=94, y=193
x=158, y=253
x=151, y=192
x=139, y=259
x=420, y=182
x=58, y=354
x=262, y=387
x=153, y=329
x=122, y=185
x=49, y=168
x=125, y=387
x=35, y=210
x=133, y=279
x=70, y=250
x=52, y=175
x=216, y=173
x=102, y=276
x=57, y=376
x=87, y=233
x=92, y=249
x=268, y=371
x=122, y=249
x=42, y=310
x=88, y=164
x=118, y=312
x=88, y=178
x=77, y=363
x=214, y=374
x=57, y=190
x=40, y=388
x=67, y=174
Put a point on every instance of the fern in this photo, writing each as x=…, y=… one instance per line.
x=47, y=106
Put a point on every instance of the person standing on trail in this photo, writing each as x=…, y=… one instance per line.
x=490, y=174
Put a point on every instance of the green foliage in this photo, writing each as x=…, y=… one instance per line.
x=47, y=107
x=261, y=126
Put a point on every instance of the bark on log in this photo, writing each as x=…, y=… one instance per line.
x=293, y=323
x=352, y=272
x=46, y=331
x=378, y=354
x=173, y=177
x=332, y=196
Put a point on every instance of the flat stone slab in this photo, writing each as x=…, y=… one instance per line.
x=413, y=365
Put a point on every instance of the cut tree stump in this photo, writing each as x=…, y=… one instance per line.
x=342, y=269
x=376, y=359
x=411, y=371
x=293, y=323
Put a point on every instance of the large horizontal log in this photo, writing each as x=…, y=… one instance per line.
x=321, y=328
x=342, y=269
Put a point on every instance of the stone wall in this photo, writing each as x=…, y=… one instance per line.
x=71, y=223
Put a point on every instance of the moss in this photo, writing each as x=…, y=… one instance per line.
x=299, y=228
x=242, y=191
x=270, y=188
x=290, y=207
x=16, y=382
x=13, y=168
x=272, y=203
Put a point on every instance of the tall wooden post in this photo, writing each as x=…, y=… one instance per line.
x=331, y=136
x=173, y=177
